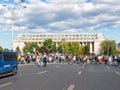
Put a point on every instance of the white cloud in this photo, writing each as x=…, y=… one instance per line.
x=66, y=1
x=16, y=1
x=64, y=15
x=106, y=1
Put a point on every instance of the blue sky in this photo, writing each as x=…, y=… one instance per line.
x=41, y=16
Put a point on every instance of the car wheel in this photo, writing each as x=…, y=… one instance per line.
x=14, y=71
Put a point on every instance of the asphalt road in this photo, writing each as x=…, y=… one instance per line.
x=63, y=77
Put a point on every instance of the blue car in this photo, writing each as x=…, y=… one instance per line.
x=8, y=63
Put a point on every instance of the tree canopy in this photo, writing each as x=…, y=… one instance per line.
x=1, y=48
x=28, y=47
x=48, y=43
x=108, y=47
x=73, y=48
x=18, y=50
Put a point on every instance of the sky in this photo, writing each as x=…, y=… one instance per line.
x=55, y=16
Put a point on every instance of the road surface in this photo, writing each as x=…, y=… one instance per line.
x=64, y=77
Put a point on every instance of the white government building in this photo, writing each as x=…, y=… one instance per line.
x=91, y=39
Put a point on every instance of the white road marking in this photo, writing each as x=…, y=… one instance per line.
x=6, y=84
x=117, y=72
x=42, y=72
x=83, y=67
x=80, y=72
x=71, y=87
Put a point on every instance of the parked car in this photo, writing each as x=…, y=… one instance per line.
x=8, y=63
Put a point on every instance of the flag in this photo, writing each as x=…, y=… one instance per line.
x=33, y=49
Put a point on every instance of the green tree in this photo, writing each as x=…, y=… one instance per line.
x=18, y=50
x=6, y=49
x=71, y=48
x=65, y=47
x=86, y=50
x=108, y=47
x=54, y=48
x=60, y=47
x=48, y=44
x=78, y=49
x=1, y=48
x=28, y=47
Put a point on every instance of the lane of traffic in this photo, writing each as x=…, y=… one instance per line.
x=64, y=77
x=97, y=77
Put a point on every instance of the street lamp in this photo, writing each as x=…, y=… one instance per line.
x=108, y=47
x=12, y=28
x=12, y=25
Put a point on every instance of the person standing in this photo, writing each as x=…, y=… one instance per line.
x=41, y=60
x=106, y=59
x=118, y=60
x=38, y=59
x=45, y=60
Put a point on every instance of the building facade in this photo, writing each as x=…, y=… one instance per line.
x=91, y=39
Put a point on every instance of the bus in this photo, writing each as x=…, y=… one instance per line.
x=8, y=63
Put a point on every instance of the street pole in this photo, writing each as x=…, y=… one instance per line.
x=108, y=47
x=94, y=45
x=62, y=46
x=12, y=28
x=12, y=25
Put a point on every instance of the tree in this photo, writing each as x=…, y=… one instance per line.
x=63, y=46
x=18, y=50
x=71, y=48
x=54, y=48
x=48, y=44
x=43, y=50
x=1, y=48
x=6, y=49
x=60, y=47
x=78, y=49
x=85, y=50
x=118, y=52
x=108, y=47
x=28, y=47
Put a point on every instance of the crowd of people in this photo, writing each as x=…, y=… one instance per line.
x=43, y=59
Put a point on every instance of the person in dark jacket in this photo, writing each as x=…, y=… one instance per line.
x=118, y=60
x=45, y=60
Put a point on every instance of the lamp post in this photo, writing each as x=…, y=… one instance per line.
x=62, y=45
x=12, y=24
x=108, y=47
x=12, y=28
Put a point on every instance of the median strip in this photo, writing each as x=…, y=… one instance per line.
x=6, y=84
